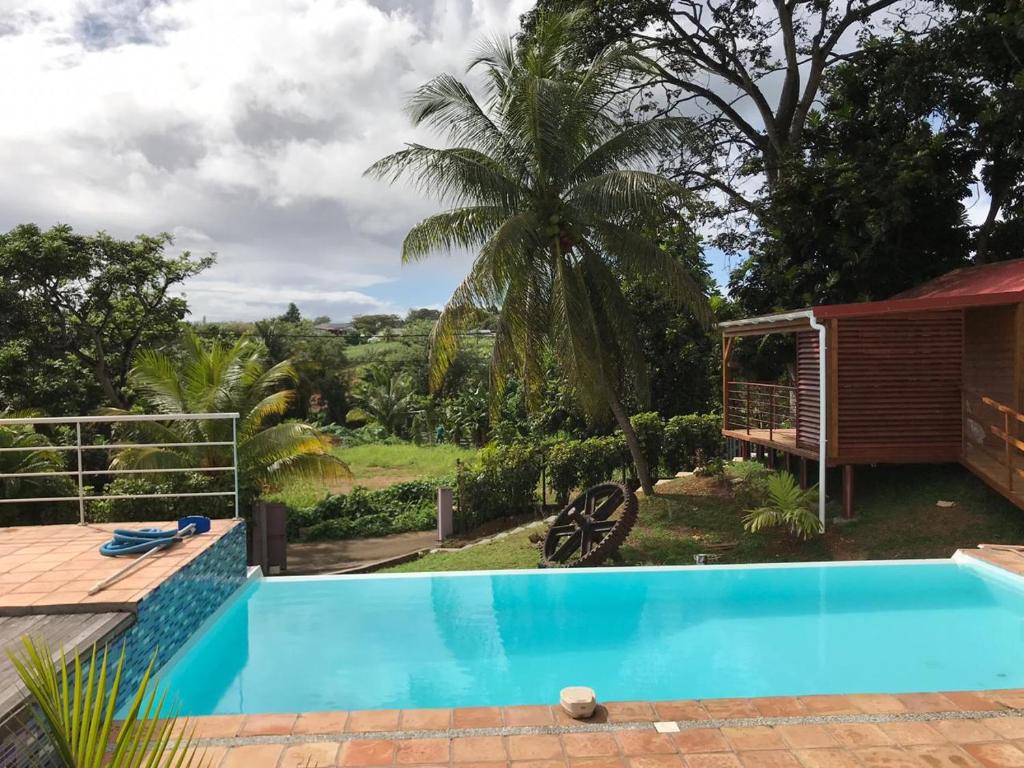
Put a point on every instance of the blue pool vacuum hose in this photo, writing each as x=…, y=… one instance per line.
x=134, y=542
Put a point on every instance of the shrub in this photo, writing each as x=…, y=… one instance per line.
x=136, y=510
x=689, y=437
x=649, y=431
x=402, y=507
x=500, y=483
x=578, y=464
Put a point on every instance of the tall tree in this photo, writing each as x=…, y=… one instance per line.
x=553, y=193
x=747, y=72
x=981, y=53
x=875, y=204
x=90, y=299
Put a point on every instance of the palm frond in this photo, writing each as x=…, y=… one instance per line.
x=619, y=193
x=461, y=175
x=76, y=710
x=463, y=228
x=639, y=258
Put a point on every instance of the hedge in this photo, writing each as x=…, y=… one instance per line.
x=689, y=439
x=501, y=482
x=582, y=463
x=410, y=506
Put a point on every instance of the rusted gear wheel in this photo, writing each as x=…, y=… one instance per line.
x=591, y=527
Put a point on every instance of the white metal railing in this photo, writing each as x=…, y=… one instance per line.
x=80, y=448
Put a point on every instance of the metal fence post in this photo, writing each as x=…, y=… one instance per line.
x=81, y=479
x=234, y=457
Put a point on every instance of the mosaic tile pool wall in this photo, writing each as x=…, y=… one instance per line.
x=169, y=614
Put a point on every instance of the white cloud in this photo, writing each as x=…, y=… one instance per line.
x=241, y=127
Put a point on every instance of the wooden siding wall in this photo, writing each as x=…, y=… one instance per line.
x=807, y=390
x=899, y=381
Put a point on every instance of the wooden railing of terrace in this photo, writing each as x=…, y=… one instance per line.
x=991, y=446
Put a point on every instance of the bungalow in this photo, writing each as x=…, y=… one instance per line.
x=932, y=375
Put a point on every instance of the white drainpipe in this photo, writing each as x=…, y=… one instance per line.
x=822, y=423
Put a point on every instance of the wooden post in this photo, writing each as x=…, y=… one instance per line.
x=726, y=354
x=1009, y=454
x=803, y=472
x=745, y=450
x=771, y=458
x=847, y=490
x=771, y=415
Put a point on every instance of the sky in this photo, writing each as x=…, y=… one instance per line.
x=241, y=128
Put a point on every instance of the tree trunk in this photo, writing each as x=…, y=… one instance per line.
x=643, y=472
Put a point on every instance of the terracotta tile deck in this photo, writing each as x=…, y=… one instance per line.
x=1008, y=558
x=50, y=568
x=983, y=729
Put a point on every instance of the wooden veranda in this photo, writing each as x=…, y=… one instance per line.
x=934, y=375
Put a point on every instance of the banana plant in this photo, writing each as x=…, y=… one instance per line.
x=76, y=703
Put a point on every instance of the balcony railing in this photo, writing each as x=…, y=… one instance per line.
x=762, y=407
x=79, y=448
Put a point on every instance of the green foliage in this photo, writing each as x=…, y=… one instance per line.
x=875, y=203
x=38, y=459
x=213, y=377
x=371, y=325
x=553, y=195
x=385, y=398
x=137, y=510
x=410, y=506
x=689, y=438
x=321, y=387
x=502, y=482
x=77, y=308
x=579, y=464
x=788, y=506
x=650, y=430
x=75, y=705
x=467, y=417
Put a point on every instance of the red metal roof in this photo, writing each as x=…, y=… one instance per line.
x=984, y=285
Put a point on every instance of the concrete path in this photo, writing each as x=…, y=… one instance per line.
x=330, y=556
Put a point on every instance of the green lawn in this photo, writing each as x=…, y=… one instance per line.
x=378, y=466
x=897, y=518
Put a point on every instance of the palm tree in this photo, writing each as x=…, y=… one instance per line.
x=384, y=397
x=214, y=377
x=553, y=192
x=23, y=451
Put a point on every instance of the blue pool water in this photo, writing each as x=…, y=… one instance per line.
x=288, y=645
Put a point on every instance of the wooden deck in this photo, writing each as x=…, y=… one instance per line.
x=72, y=632
x=780, y=439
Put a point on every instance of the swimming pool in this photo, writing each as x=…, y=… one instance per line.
x=505, y=638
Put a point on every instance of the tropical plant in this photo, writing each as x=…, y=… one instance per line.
x=25, y=451
x=76, y=704
x=552, y=191
x=467, y=414
x=787, y=505
x=215, y=377
x=384, y=397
